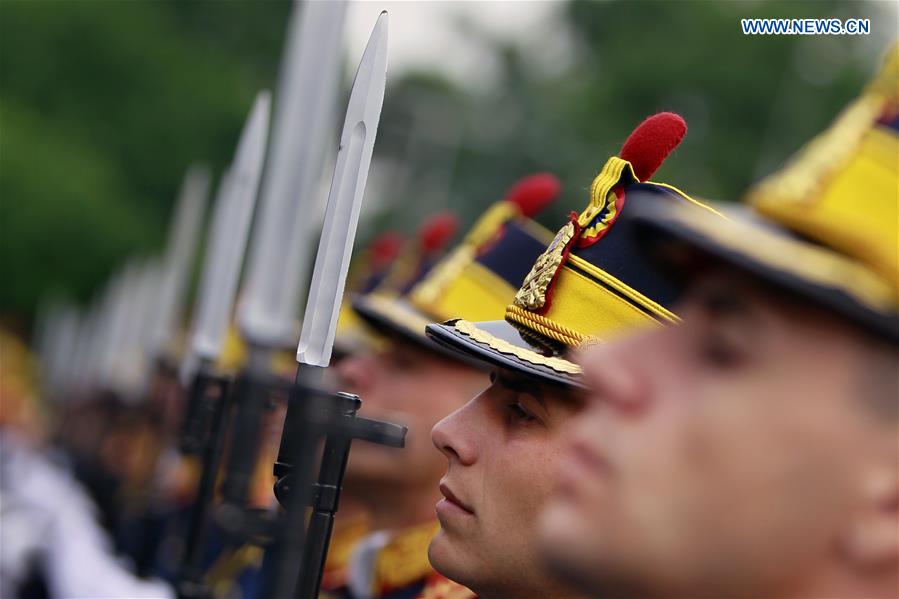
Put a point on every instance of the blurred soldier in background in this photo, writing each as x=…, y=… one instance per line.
x=413, y=382
x=51, y=542
x=503, y=446
x=751, y=451
x=233, y=564
x=368, y=273
x=389, y=266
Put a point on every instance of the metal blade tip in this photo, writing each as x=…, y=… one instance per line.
x=383, y=18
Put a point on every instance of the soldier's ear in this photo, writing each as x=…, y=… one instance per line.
x=871, y=541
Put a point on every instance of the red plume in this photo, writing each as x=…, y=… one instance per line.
x=651, y=142
x=532, y=194
x=384, y=249
x=437, y=231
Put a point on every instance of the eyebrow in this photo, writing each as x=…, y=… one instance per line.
x=521, y=385
x=719, y=303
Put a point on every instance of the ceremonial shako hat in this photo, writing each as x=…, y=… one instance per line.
x=824, y=228
x=391, y=266
x=590, y=283
x=417, y=257
x=478, y=278
x=367, y=273
x=378, y=258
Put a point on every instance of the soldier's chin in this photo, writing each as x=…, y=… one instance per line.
x=448, y=558
x=567, y=567
x=564, y=547
x=560, y=545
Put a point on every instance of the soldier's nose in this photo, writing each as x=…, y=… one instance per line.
x=610, y=378
x=446, y=436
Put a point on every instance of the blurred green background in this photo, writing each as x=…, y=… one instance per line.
x=104, y=104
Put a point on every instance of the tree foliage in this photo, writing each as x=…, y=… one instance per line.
x=104, y=104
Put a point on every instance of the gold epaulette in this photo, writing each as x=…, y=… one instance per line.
x=404, y=559
x=347, y=533
x=223, y=574
x=440, y=587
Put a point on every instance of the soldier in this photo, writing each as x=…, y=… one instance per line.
x=411, y=381
x=52, y=543
x=367, y=274
x=751, y=451
x=502, y=446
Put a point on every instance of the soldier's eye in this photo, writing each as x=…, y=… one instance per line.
x=403, y=361
x=720, y=352
x=519, y=412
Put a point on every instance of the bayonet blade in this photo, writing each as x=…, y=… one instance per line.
x=230, y=227
x=66, y=346
x=120, y=297
x=344, y=201
x=282, y=238
x=131, y=354
x=57, y=325
x=91, y=340
x=182, y=243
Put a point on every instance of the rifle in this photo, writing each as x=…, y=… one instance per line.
x=208, y=398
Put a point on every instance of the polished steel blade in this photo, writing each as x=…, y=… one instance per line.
x=277, y=270
x=344, y=201
x=87, y=359
x=182, y=244
x=64, y=349
x=131, y=360
x=118, y=312
x=55, y=330
x=227, y=242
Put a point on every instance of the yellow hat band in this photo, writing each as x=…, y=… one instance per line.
x=472, y=290
x=817, y=264
x=589, y=304
x=857, y=211
x=394, y=310
x=490, y=222
x=842, y=189
x=460, y=285
x=481, y=336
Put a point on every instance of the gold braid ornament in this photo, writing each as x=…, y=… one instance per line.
x=504, y=347
x=602, y=200
x=546, y=327
x=532, y=295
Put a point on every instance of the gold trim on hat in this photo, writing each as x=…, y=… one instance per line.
x=818, y=265
x=808, y=170
x=544, y=326
x=532, y=294
x=600, y=191
x=687, y=198
x=390, y=309
x=442, y=276
x=504, y=347
x=798, y=182
x=624, y=289
x=486, y=226
x=842, y=188
x=451, y=267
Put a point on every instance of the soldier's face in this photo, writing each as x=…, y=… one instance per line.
x=501, y=448
x=725, y=456
x=405, y=384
